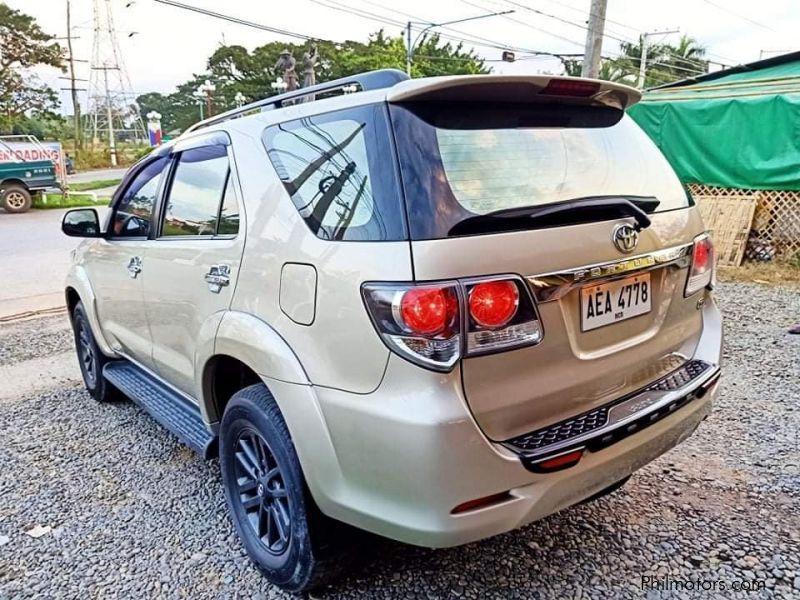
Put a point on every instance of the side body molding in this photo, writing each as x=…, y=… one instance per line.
x=258, y=345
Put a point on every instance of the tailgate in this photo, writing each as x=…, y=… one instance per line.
x=545, y=178
x=572, y=371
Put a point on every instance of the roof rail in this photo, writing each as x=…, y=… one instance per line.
x=371, y=80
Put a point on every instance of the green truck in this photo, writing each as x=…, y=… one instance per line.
x=26, y=168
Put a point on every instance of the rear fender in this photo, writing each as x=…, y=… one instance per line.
x=258, y=345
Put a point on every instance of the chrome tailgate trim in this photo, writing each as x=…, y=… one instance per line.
x=548, y=287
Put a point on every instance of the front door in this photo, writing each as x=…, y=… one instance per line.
x=194, y=260
x=117, y=265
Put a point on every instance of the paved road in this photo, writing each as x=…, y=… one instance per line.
x=125, y=511
x=97, y=175
x=34, y=257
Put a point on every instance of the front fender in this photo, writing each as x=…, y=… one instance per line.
x=78, y=280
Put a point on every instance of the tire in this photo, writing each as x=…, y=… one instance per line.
x=16, y=199
x=265, y=488
x=90, y=358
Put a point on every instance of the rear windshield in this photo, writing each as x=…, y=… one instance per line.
x=462, y=161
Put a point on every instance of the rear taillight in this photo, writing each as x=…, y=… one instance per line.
x=421, y=323
x=426, y=323
x=701, y=271
x=501, y=316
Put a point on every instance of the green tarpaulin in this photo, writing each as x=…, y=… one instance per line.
x=739, y=131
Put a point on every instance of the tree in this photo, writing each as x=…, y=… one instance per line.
x=665, y=63
x=235, y=70
x=23, y=45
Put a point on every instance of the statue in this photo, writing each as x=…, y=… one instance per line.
x=286, y=64
x=310, y=59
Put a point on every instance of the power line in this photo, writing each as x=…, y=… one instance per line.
x=530, y=26
x=741, y=16
x=560, y=19
x=460, y=36
x=238, y=21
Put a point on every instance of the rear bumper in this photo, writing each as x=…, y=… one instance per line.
x=410, y=452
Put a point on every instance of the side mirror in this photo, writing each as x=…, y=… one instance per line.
x=81, y=222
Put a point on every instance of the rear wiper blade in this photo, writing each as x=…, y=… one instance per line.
x=569, y=212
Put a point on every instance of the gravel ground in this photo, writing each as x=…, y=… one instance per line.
x=132, y=513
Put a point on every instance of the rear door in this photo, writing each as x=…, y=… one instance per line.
x=610, y=299
x=194, y=260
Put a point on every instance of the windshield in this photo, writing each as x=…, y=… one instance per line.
x=460, y=163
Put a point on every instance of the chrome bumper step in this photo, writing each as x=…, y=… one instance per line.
x=606, y=425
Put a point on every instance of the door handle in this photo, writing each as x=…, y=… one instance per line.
x=134, y=266
x=218, y=277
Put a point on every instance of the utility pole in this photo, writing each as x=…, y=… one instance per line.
x=643, y=60
x=409, y=51
x=594, y=39
x=76, y=105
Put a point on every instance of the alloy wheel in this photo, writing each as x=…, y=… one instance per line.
x=86, y=353
x=262, y=492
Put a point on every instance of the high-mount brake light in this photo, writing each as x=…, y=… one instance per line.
x=569, y=87
x=701, y=271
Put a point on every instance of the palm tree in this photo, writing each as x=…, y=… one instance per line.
x=687, y=58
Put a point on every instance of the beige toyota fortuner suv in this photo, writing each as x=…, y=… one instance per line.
x=434, y=309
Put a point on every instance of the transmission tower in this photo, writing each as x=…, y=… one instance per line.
x=113, y=113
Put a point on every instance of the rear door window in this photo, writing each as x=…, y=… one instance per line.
x=338, y=168
x=457, y=163
x=196, y=193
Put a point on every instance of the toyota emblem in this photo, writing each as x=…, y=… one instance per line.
x=625, y=238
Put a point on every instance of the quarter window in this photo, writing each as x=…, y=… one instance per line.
x=200, y=180
x=134, y=213
x=340, y=172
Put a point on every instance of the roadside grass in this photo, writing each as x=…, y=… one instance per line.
x=93, y=185
x=71, y=201
x=766, y=273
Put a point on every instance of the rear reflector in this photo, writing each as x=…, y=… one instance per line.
x=481, y=502
x=569, y=87
x=565, y=461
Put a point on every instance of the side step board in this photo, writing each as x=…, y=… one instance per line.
x=168, y=407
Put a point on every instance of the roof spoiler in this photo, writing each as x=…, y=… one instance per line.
x=515, y=89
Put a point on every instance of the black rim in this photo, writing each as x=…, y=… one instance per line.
x=262, y=492
x=86, y=352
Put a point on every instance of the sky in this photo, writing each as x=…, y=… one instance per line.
x=163, y=46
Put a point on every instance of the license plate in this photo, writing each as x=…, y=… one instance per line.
x=616, y=301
